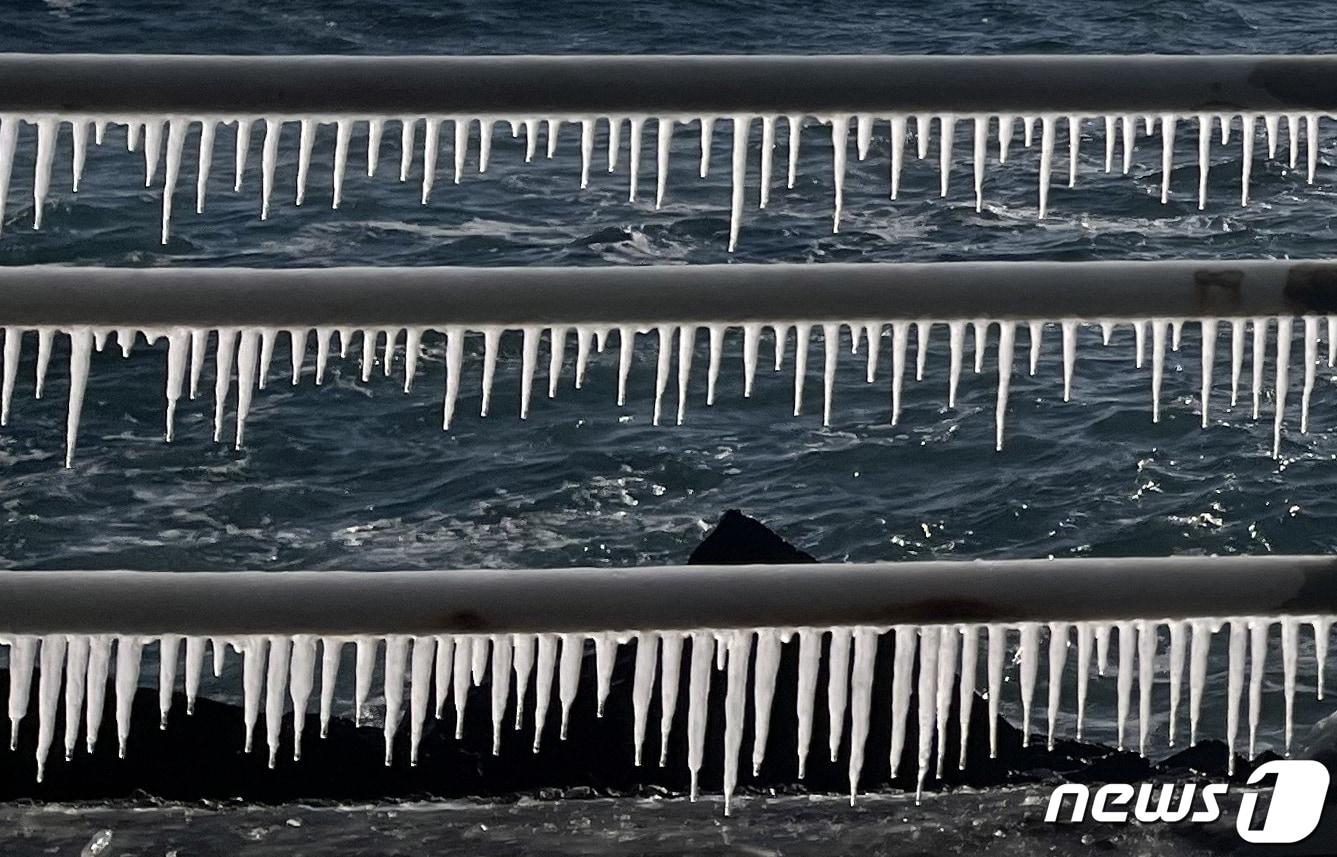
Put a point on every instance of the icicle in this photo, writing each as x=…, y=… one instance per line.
x=897, y=153
x=79, y=132
x=947, y=133
x=1102, y=633
x=1259, y=352
x=837, y=687
x=1284, y=324
x=408, y=127
x=1177, y=633
x=1199, y=643
x=647, y=650
x=462, y=144
x=529, y=360
x=1085, y=632
x=1109, y=143
x=443, y=671
x=169, y=651
x=956, y=334
x=1007, y=332
x=45, y=337
x=966, y=694
x=1046, y=156
x=614, y=141
x=922, y=329
x=132, y=131
x=803, y=333
x=1247, y=129
x=276, y=687
x=997, y=650
x=586, y=150
x=568, y=675
x=861, y=698
x=22, y=651
x=840, y=126
x=342, y=136
x=923, y=133
x=1058, y=656
x=547, y=660
x=763, y=692
x=901, y=676
x=243, y=146
x=1234, y=688
x=1074, y=140
x=686, y=346
x=830, y=349
x=740, y=132
x=949, y=642
x=1005, y=130
x=662, y=363
x=81, y=346
x=768, y=155
x=929, y=643
x=707, y=134
x=128, y=650
x=48, y=695
x=364, y=664
x=460, y=669
x=1290, y=641
x=1146, y=662
x=739, y=645
x=634, y=156
x=1129, y=134
x=9, y=134
x=663, y=144
x=306, y=141
x=1069, y=327
x=1271, y=123
x=254, y=651
x=605, y=654
x=1311, y=364
x=99, y=657
x=502, y=653
x=1236, y=357
x=626, y=347
x=1311, y=145
x=809, y=658
x=152, y=146
x=1167, y=153
x=491, y=342
x=554, y=128
x=1257, y=662
x=47, y=128
x=302, y=679
x=273, y=127
x=794, y=131
x=1332, y=340
x=1204, y=156
x=716, y=353
x=1322, y=630
x=246, y=379
x=670, y=667
x=751, y=342
x=175, y=142
x=900, y=333
x=981, y=139
x=1127, y=650
x=454, y=359
x=1036, y=330
x=703, y=650
x=331, y=649
x=76, y=677
x=478, y=653
x=1158, y=329
x=1029, y=658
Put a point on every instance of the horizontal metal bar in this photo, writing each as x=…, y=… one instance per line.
x=662, y=597
x=733, y=294
x=622, y=85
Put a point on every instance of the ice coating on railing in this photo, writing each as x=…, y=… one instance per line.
x=887, y=129
x=245, y=355
x=939, y=662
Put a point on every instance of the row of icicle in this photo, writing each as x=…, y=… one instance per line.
x=247, y=353
x=168, y=133
x=283, y=669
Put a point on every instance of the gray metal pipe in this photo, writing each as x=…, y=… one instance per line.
x=659, y=85
x=223, y=297
x=662, y=597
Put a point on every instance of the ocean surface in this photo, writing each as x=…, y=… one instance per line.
x=360, y=476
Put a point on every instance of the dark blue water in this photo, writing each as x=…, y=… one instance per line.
x=360, y=475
